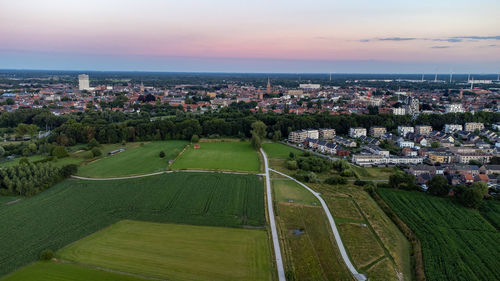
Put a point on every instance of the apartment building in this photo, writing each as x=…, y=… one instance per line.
x=357, y=132
x=423, y=130
x=472, y=126
x=326, y=134
x=403, y=130
x=377, y=132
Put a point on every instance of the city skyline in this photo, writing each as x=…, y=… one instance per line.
x=252, y=36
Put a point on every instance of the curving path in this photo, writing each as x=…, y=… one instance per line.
x=343, y=253
x=163, y=172
x=272, y=222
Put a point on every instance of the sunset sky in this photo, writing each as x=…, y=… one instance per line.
x=356, y=36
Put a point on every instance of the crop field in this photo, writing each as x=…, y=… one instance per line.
x=142, y=159
x=457, y=243
x=491, y=211
x=73, y=209
x=279, y=150
x=176, y=252
x=226, y=156
x=286, y=190
x=310, y=249
x=372, y=240
x=54, y=271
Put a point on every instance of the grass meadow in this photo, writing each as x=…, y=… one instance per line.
x=176, y=252
x=220, y=156
x=55, y=271
x=141, y=159
x=74, y=209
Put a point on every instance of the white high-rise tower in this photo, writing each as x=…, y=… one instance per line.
x=83, y=82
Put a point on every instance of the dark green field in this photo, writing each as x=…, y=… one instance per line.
x=457, y=243
x=74, y=209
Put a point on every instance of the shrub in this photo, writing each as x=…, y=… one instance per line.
x=336, y=180
x=2, y=151
x=360, y=182
x=306, y=176
x=347, y=173
x=162, y=154
x=96, y=152
x=24, y=161
x=291, y=165
x=68, y=170
x=92, y=143
x=195, y=138
x=46, y=255
x=59, y=151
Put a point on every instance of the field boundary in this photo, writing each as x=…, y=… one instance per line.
x=418, y=266
x=165, y=172
x=336, y=234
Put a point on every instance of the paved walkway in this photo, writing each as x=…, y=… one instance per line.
x=272, y=222
x=343, y=253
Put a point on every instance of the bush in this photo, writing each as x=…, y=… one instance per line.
x=306, y=176
x=2, y=151
x=92, y=143
x=195, y=138
x=361, y=182
x=162, y=154
x=68, y=170
x=333, y=180
x=291, y=165
x=88, y=155
x=347, y=173
x=59, y=151
x=96, y=152
x=46, y=255
x=24, y=161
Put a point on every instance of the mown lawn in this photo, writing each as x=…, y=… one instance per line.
x=54, y=271
x=74, y=209
x=222, y=156
x=142, y=159
x=176, y=252
x=279, y=150
x=286, y=190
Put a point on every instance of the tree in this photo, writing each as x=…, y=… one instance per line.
x=195, y=139
x=32, y=147
x=400, y=180
x=259, y=128
x=472, y=196
x=438, y=186
x=162, y=154
x=46, y=255
x=93, y=143
x=495, y=160
x=435, y=144
x=256, y=142
x=25, y=129
x=475, y=162
x=276, y=136
x=2, y=151
x=96, y=152
x=68, y=170
x=59, y=151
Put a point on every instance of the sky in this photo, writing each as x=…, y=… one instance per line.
x=288, y=36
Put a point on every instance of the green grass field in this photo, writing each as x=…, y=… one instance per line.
x=54, y=271
x=176, y=252
x=137, y=160
x=378, y=249
x=286, y=190
x=225, y=156
x=279, y=150
x=457, y=243
x=310, y=251
x=74, y=209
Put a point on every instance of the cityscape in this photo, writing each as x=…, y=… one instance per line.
x=249, y=140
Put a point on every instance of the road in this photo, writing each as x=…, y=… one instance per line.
x=163, y=172
x=336, y=234
x=272, y=222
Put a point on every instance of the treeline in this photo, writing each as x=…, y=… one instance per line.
x=233, y=121
x=28, y=179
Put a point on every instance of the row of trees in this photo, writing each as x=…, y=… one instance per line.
x=28, y=179
x=469, y=196
x=236, y=121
